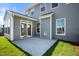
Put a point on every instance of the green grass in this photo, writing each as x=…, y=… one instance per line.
x=8, y=49
x=64, y=49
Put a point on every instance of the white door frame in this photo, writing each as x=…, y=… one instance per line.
x=25, y=22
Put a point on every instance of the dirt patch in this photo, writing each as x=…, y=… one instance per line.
x=76, y=48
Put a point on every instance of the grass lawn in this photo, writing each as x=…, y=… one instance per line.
x=65, y=49
x=61, y=49
x=7, y=49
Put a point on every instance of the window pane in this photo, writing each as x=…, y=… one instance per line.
x=54, y=5
x=8, y=26
x=23, y=29
x=60, y=26
x=42, y=5
x=32, y=11
x=42, y=9
x=38, y=27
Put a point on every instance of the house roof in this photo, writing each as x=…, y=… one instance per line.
x=22, y=15
x=29, y=8
x=47, y=13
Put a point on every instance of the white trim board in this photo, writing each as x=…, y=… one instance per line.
x=12, y=27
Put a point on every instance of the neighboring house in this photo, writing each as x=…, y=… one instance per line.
x=44, y=20
x=1, y=30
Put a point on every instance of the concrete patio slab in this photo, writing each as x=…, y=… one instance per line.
x=35, y=46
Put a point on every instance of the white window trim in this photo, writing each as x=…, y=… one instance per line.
x=54, y=7
x=36, y=28
x=64, y=27
x=41, y=7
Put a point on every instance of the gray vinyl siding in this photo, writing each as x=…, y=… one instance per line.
x=33, y=29
x=68, y=11
x=36, y=12
x=45, y=28
x=71, y=13
x=17, y=27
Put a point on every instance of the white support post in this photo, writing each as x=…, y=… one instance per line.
x=40, y=27
x=51, y=27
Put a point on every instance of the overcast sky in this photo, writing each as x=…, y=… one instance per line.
x=18, y=7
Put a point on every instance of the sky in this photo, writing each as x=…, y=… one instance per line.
x=18, y=7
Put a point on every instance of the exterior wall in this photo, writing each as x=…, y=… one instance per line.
x=71, y=13
x=17, y=27
x=45, y=28
x=6, y=17
x=68, y=11
x=36, y=12
x=33, y=28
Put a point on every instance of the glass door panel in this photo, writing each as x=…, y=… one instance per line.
x=28, y=29
x=23, y=29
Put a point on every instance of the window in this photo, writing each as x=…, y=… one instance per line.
x=54, y=5
x=38, y=28
x=27, y=13
x=7, y=26
x=61, y=26
x=42, y=7
x=32, y=12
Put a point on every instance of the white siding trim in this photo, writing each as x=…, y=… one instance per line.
x=31, y=29
x=12, y=28
x=50, y=27
x=40, y=28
